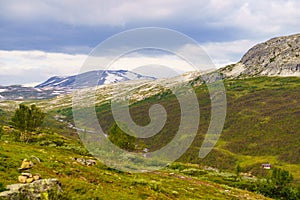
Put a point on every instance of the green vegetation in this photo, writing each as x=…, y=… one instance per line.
x=2, y=187
x=278, y=185
x=262, y=126
x=28, y=118
x=238, y=171
x=1, y=132
x=272, y=59
x=121, y=139
x=54, y=160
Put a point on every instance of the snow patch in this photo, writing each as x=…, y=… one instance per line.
x=55, y=84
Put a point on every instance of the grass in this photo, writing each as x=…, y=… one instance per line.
x=262, y=125
x=263, y=121
x=100, y=182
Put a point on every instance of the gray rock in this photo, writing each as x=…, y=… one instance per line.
x=276, y=57
x=36, y=190
x=83, y=161
x=90, y=162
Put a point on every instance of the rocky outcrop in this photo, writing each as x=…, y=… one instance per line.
x=276, y=57
x=39, y=189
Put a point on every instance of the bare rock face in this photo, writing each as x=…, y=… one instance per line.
x=276, y=57
x=40, y=189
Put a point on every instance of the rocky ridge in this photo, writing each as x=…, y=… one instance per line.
x=278, y=56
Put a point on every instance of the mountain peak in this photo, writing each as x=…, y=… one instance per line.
x=278, y=56
x=91, y=78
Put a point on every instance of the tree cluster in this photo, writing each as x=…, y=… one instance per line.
x=121, y=139
x=28, y=118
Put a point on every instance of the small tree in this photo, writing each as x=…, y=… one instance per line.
x=28, y=118
x=238, y=171
x=281, y=178
x=1, y=132
x=121, y=139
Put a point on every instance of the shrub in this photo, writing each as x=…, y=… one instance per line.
x=1, y=132
x=281, y=178
x=28, y=118
x=121, y=139
x=2, y=187
x=194, y=172
x=177, y=166
x=16, y=134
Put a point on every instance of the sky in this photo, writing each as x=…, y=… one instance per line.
x=44, y=38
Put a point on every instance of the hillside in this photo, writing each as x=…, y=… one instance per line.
x=276, y=57
x=54, y=157
x=259, y=129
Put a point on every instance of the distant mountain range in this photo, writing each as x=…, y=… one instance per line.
x=279, y=56
x=91, y=78
x=57, y=85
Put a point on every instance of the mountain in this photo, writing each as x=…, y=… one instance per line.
x=279, y=56
x=19, y=92
x=56, y=85
x=276, y=57
x=89, y=78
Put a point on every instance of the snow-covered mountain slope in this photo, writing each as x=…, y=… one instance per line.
x=92, y=78
x=139, y=90
x=57, y=85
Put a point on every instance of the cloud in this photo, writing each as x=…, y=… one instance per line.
x=225, y=29
x=36, y=66
x=133, y=62
x=219, y=53
x=263, y=17
x=224, y=53
x=76, y=27
x=19, y=67
x=26, y=67
x=93, y=12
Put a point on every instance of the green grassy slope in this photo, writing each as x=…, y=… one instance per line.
x=262, y=124
x=53, y=155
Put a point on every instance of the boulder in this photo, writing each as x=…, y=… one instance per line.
x=29, y=180
x=26, y=164
x=90, y=162
x=22, y=179
x=43, y=188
